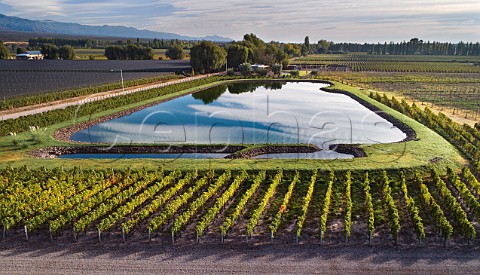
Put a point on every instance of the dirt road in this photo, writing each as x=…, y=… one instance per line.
x=152, y=257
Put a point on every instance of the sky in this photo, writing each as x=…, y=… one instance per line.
x=278, y=20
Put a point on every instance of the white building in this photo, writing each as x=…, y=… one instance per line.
x=30, y=55
x=259, y=66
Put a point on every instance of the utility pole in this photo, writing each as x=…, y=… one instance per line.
x=121, y=76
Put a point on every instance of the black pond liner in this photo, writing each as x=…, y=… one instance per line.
x=184, y=152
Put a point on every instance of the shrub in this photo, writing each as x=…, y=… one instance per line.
x=175, y=53
x=295, y=73
x=277, y=68
x=66, y=52
x=246, y=69
x=230, y=72
x=261, y=71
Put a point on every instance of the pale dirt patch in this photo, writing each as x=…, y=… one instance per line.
x=159, y=257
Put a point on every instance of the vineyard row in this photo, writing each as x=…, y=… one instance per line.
x=301, y=205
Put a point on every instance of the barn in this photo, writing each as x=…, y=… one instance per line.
x=30, y=55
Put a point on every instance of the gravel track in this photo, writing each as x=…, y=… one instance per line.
x=90, y=257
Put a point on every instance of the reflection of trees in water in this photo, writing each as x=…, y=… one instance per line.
x=250, y=87
x=210, y=95
x=244, y=87
x=274, y=85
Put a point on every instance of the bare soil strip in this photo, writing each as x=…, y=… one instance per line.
x=153, y=258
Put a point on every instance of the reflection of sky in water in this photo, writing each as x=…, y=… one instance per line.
x=298, y=113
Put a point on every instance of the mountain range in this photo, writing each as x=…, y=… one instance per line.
x=16, y=24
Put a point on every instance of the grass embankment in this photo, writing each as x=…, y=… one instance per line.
x=428, y=149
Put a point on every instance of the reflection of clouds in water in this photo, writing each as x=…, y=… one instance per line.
x=300, y=113
x=315, y=155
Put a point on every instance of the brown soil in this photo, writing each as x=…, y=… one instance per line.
x=88, y=256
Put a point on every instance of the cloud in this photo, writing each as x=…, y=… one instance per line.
x=344, y=20
x=349, y=20
x=123, y=12
x=44, y=7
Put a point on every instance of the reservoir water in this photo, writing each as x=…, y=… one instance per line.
x=251, y=113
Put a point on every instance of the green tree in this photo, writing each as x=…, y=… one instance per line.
x=21, y=50
x=306, y=46
x=230, y=72
x=50, y=51
x=282, y=58
x=115, y=53
x=4, y=52
x=257, y=42
x=246, y=69
x=130, y=52
x=66, y=52
x=175, y=52
x=207, y=57
x=236, y=55
x=323, y=46
x=292, y=50
x=261, y=71
x=277, y=68
x=295, y=73
x=147, y=53
x=133, y=52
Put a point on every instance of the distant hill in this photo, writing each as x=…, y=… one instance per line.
x=16, y=24
x=13, y=36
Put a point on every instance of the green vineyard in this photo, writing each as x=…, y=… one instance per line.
x=296, y=206
x=384, y=63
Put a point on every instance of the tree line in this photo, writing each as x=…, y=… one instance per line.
x=129, y=52
x=414, y=46
x=50, y=51
x=37, y=42
x=207, y=57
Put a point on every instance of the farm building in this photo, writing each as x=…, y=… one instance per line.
x=292, y=67
x=259, y=66
x=30, y=55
